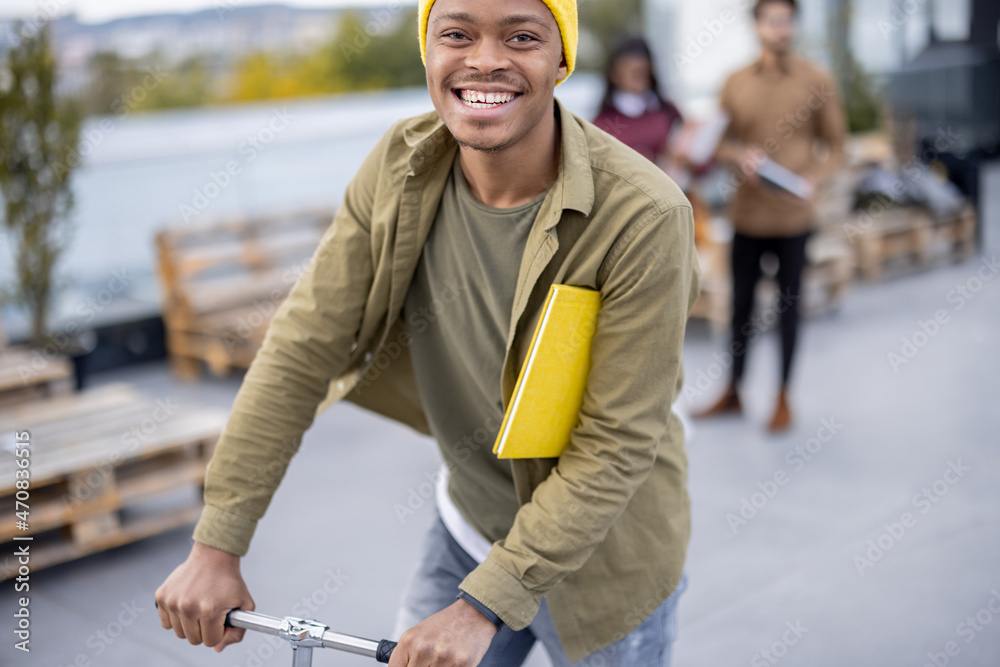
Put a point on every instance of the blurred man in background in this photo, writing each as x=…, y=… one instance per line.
x=783, y=110
x=421, y=305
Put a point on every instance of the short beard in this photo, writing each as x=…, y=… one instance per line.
x=483, y=148
x=781, y=49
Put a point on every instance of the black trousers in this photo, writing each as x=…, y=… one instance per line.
x=747, y=328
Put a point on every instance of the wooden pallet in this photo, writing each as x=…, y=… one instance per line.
x=714, y=302
x=828, y=273
x=911, y=235
x=891, y=236
x=222, y=283
x=108, y=466
x=27, y=376
x=957, y=235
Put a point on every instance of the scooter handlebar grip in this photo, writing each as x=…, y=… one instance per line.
x=384, y=652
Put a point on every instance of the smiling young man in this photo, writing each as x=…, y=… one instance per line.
x=420, y=305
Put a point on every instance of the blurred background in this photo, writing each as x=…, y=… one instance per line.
x=166, y=169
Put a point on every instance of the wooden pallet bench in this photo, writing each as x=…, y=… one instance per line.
x=26, y=376
x=714, y=303
x=957, y=234
x=911, y=236
x=222, y=283
x=108, y=466
x=892, y=235
x=828, y=273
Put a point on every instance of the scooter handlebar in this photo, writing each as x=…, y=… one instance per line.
x=296, y=629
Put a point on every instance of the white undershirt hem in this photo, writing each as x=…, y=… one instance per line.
x=466, y=536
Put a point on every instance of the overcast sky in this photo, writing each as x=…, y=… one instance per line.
x=94, y=11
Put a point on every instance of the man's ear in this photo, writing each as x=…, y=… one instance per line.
x=563, y=67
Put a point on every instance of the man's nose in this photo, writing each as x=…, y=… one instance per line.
x=488, y=55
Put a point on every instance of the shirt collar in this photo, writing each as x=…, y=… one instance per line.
x=785, y=66
x=575, y=173
x=574, y=186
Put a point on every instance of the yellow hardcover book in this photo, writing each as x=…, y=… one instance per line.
x=546, y=402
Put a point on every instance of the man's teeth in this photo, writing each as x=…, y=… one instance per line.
x=480, y=100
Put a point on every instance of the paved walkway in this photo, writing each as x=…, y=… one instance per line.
x=868, y=535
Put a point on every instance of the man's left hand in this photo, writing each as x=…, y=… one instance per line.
x=457, y=636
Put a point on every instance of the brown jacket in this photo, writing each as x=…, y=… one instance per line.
x=792, y=111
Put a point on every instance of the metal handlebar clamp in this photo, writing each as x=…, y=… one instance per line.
x=304, y=635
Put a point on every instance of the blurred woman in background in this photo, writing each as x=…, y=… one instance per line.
x=635, y=112
x=633, y=109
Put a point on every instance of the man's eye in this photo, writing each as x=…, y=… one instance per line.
x=454, y=35
x=523, y=38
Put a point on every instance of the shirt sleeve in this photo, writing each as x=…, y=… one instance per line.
x=726, y=97
x=635, y=376
x=730, y=146
x=306, y=345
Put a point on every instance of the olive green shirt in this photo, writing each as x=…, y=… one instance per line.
x=601, y=531
x=457, y=313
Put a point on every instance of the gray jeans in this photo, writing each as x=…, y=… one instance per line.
x=443, y=566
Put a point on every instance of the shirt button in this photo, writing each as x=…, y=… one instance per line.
x=368, y=356
x=340, y=385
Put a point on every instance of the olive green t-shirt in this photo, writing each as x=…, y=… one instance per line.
x=457, y=313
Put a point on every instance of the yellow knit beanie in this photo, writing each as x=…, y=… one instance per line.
x=563, y=10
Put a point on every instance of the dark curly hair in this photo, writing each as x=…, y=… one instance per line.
x=760, y=3
x=630, y=46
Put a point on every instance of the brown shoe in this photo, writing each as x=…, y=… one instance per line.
x=729, y=403
x=782, y=418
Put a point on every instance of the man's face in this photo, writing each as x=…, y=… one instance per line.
x=492, y=68
x=776, y=27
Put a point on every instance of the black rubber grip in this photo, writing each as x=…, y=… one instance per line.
x=228, y=624
x=384, y=651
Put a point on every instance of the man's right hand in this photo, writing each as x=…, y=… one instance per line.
x=196, y=597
